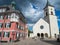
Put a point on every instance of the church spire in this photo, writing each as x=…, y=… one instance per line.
x=13, y=4
x=48, y=4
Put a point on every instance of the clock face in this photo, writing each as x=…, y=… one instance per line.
x=41, y=27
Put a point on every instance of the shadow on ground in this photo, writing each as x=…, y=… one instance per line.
x=9, y=42
x=53, y=42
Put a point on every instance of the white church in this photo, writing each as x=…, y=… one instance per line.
x=47, y=26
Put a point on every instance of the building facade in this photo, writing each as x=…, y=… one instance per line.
x=47, y=26
x=12, y=24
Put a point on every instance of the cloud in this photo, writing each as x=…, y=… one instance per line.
x=30, y=25
x=56, y=4
x=59, y=20
x=32, y=9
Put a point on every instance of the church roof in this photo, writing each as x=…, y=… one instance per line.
x=48, y=4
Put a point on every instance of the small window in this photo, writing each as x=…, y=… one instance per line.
x=0, y=34
x=13, y=15
x=51, y=13
x=1, y=17
x=8, y=17
x=18, y=26
x=17, y=35
x=22, y=28
x=6, y=34
x=21, y=34
x=8, y=25
x=1, y=25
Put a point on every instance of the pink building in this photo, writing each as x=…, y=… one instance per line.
x=12, y=24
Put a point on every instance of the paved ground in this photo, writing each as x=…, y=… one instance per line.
x=33, y=42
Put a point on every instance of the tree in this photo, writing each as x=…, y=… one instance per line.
x=29, y=32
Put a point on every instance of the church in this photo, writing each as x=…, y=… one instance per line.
x=46, y=27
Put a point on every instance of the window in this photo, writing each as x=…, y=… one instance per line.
x=6, y=34
x=8, y=25
x=17, y=35
x=46, y=14
x=1, y=25
x=21, y=34
x=0, y=10
x=3, y=10
x=8, y=17
x=0, y=34
x=1, y=17
x=51, y=13
x=13, y=15
x=41, y=27
x=18, y=26
x=22, y=28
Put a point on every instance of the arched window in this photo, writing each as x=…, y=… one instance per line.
x=55, y=35
x=51, y=13
x=46, y=35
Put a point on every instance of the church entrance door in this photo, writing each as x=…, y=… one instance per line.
x=42, y=35
x=46, y=35
x=38, y=34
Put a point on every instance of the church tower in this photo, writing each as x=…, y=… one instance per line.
x=51, y=19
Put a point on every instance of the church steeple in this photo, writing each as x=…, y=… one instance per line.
x=13, y=4
x=48, y=4
x=49, y=9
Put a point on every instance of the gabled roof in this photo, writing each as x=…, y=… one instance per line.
x=41, y=20
x=48, y=4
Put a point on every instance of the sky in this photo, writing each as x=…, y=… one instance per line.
x=33, y=9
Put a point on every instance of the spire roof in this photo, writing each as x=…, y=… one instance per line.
x=48, y=4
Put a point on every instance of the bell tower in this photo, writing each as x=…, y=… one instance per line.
x=51, y=19
x=49, y=9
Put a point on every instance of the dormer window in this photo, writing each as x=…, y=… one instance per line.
x=15, y=16
x=2, y=10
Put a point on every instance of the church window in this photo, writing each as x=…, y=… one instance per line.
x=41, y=27
x=51, y=13
x=46, y=13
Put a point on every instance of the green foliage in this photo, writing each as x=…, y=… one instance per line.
x=29, y=32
